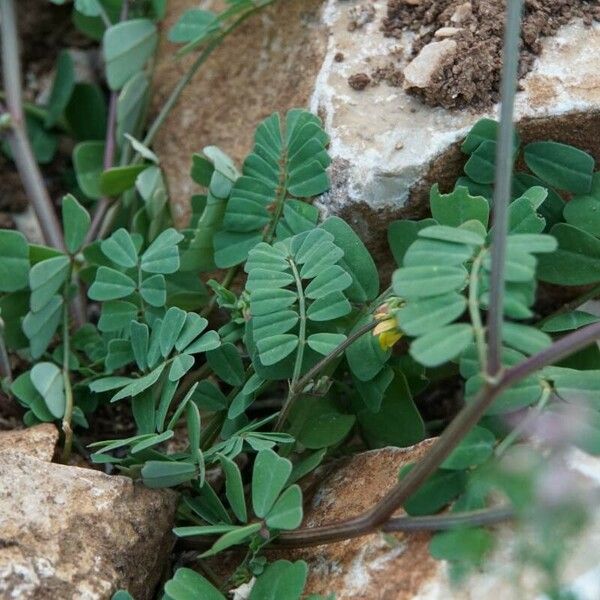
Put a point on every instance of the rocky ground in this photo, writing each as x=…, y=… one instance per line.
x=388, y=147
x=71, y=532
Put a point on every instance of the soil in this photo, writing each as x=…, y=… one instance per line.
x=12, y=196
x=359, y=81
x=44, y=29
x=390, y=73
x=470, y=77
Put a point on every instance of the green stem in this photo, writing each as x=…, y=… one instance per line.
x=190, y=379
x=280, y=194
x=219, y=418
x=226, y=282
x=531, y=416
x=172, y=100
x=104, y=15
x=140, y=281
x=211, y=432
x=474, y=311
x=572, y=305
x=302, y=328
x=296, y=389
x=187, y=77
x=68, y=415
x=293, y=391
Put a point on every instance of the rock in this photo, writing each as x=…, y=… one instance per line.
x=367, y=567
x=269, y=64
x=68, y=532
x=462, y=12
x=444, y=32
x=420, y=70
x=38, y=442
x=387, y=146
x=372, y=568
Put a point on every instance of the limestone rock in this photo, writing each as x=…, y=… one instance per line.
x=387, y=146
x=368, y=567
x=372, y=568
x=444, y=32
x=419, y=71
x=462, y=12
x=38, y=442
x=68, y=532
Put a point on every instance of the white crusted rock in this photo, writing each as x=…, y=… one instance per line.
x=444, y=32
x=462, y=12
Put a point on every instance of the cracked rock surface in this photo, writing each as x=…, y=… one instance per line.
x=69, y=532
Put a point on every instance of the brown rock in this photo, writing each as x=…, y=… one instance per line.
x=38, y=442
x=67, y=532
x=268, y=65
x=366, y=568
x=400, y=567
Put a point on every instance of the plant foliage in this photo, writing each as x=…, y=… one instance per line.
x=309, y=359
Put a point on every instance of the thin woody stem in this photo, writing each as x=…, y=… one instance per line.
x=16, y=134
x=29, y=170
x=109, y=157
x=297, y=388
x=475, y=518
x=454, y=433
x=591, y=294
x=503, y=180
x=110, y=149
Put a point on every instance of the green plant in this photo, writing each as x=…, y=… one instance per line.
x=313, y=353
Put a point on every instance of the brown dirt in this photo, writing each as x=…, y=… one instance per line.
x=390, y=73
x=359, y=81
x=471, y=76
x=44, y=28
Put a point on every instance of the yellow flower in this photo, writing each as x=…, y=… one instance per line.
x=388, y=338
x=387, y=329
